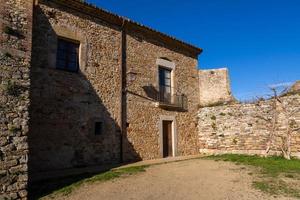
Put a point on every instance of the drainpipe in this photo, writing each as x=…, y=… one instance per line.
x=123, y=99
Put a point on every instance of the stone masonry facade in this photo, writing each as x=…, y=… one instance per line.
x=15, y=56
x=143, y=116
x=48, y=115
x=64, y=105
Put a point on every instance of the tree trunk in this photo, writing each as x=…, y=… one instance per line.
x=288, y=144
x=272, y=129
x=286, y=155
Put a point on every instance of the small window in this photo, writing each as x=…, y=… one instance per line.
x=98, y=128
x=67, y=55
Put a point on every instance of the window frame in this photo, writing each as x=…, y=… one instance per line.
x=100, y=130
x=67, y=59
x=165, y=77
x=166, y=90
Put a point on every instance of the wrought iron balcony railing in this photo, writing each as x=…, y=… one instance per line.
x=167, y=100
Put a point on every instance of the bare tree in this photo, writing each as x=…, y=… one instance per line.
x=287, y=113
x=291, y=127
x=270, y=118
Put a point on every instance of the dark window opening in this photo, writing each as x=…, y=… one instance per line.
x=165, y=84
x=98, y=128
x=67, y=57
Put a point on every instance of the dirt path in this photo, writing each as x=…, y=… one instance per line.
x=193, y=179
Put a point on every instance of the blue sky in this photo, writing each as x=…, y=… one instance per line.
x=258, y=40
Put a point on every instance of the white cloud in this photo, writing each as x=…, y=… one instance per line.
x=283, y=84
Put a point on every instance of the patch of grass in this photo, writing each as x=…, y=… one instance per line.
x=109, y=175
x=271, y=166
x=277, y=188
x=59, y=187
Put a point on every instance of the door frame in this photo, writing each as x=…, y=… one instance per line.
x=174, y=134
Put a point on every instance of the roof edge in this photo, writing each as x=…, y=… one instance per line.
x=115, y=19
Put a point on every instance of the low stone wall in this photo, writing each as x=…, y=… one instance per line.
x=237, y=128
x=15, y=53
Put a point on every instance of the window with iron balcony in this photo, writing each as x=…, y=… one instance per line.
x=167, y=96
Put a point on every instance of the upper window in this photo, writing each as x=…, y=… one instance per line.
x=165, y=83
x=67, y=55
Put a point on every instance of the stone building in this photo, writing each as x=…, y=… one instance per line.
x=83, y=87
x=116, y=95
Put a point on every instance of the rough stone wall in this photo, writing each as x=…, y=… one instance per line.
x=143, y=116
x=237, y=128
x=60, y=126
x=65, y=105
x=214, y=86
x=15, y=54
x=295, y=88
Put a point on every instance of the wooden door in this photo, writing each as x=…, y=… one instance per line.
x=167, y=139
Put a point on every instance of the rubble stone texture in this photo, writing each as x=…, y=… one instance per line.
x=15, y=55
x=214, y=87
x=65, y=105
x=47, y=116
x=143, y=115
x=295, y=87
x=239, y=128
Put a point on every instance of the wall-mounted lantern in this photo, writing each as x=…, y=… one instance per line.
x=131, y=77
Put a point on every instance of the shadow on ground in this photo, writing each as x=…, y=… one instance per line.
x=43, y=188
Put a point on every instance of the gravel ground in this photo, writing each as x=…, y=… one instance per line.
x=196, y=179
